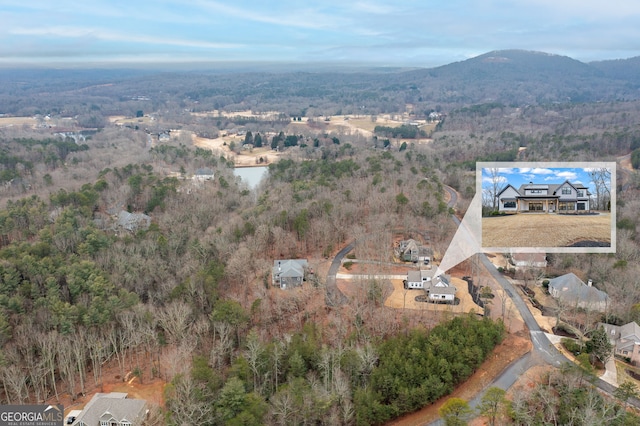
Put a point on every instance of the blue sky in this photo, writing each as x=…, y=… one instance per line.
x=517, y=176
x=419, y=33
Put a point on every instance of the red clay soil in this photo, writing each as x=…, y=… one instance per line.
x=149, y=390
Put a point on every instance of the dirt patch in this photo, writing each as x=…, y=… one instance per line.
x=545, y=230
x=402, y=298
x=511, y=349
x=150, y=390
x=243, y=159
x=17, y=121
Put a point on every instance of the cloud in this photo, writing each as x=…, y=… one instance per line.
x=585, y=9
x=541, y=171
x=295, y=16
x=361, y=31
x=567, y=175
x=506, y=170
x=499, y=179
x=107, y=35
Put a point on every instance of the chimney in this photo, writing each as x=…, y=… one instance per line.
x=590, y=283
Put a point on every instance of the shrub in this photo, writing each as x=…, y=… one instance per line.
x=351, y=256
x=626, y=223
x=347, y=265
x=572, y=346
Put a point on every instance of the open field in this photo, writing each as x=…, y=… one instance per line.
x=402, y=298
x=266, y=115
x=245, y=158
x=17, y=121
x=121, y=120
x=544, y=230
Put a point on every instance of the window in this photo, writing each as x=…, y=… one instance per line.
x=580, y=193
x=563, y=206
x=509, y=204
x=566, y=191
x=535, y=191
x=536, y=207
x=581, y=206
x=443, y=296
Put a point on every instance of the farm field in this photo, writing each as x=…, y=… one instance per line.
x=17, y=121
x=545, y=230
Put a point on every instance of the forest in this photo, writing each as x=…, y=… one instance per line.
x=188, y=300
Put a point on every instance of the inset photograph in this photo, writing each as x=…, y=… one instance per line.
x=548, y=206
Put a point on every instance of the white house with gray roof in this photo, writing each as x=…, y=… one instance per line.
x=573, y=292
x=203, y=175
x=438, y=288
x=547, y=198
x=112, y=409
x=289, y=272
x=626, y=340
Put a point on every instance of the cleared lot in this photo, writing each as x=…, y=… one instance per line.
x=545, y=230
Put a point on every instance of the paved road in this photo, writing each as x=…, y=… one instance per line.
x=453, y=196
x=543, y=349
x=334, y=296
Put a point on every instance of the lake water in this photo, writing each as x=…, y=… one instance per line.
x=251, y=175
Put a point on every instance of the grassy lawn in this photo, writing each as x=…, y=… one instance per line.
x=544, y=230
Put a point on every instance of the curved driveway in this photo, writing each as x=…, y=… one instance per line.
x=542, y=346
x=334, y=296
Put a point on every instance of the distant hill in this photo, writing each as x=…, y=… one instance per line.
x=518, y=76
x=510, y=77
x=517, y=65
x=621, y=69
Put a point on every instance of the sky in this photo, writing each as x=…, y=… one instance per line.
x=516, y=176
x=403, y=33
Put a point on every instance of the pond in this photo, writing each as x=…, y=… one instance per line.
x=252, y=176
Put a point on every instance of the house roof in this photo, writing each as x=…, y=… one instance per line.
x=289, y=268
x=443, y=290
x=414, y=276
x=204, y=172
x=112, y=405
x=534, y=186
x=410, y=245
x=133, y=221
x=570, y=287
x=630, y=331
x=551, y=188
x=538, y=196
x=507, y=187
x=624, y=337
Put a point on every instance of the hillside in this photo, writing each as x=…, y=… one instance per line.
x=518, y=77
x=621, y=69
x=513, y=77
